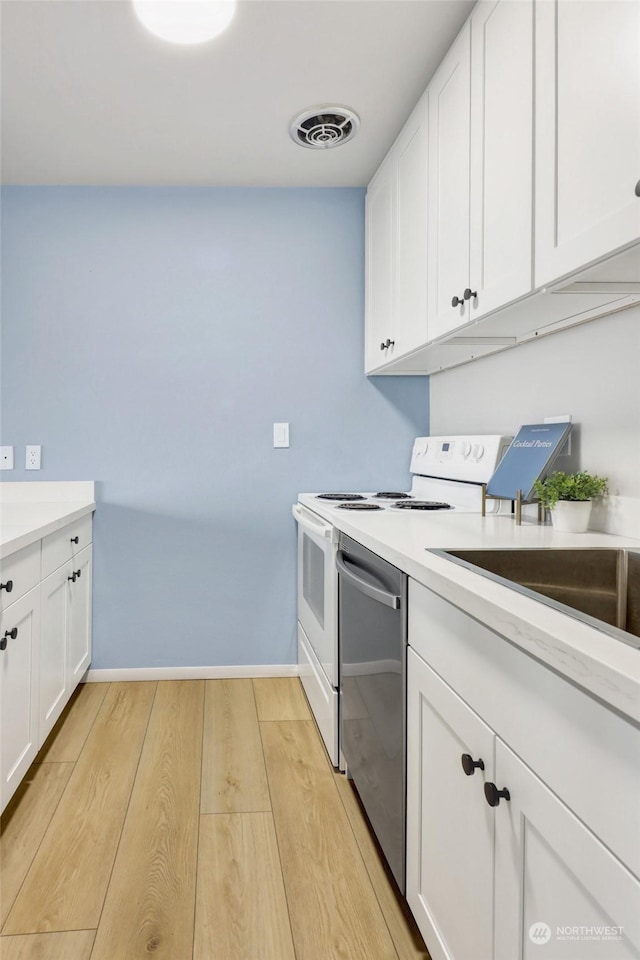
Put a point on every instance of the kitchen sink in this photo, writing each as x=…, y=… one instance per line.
x=599, y=586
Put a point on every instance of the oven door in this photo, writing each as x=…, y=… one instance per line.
x=318, y=588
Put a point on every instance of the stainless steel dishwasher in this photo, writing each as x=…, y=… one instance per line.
x=373, y=655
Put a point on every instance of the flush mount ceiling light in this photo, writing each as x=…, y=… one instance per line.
x=324, y=127
x=185, y=21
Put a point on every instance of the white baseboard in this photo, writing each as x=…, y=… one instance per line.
x=192, y=673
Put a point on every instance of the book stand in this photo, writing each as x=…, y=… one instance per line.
x=516, y=505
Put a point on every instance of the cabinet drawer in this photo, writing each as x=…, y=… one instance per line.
x=59, y=547
x=574, y=743
x=20, y=573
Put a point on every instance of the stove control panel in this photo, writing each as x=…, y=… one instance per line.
x=470, y=458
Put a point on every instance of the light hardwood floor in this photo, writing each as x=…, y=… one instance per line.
x=193, y=820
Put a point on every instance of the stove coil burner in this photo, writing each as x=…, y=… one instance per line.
x=393, y=496
x=359, y=506
x=422, y=505
x=340, y=496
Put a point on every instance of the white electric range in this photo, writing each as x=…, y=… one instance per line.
x=447, y=477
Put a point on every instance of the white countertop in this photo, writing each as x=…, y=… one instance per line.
x=599, y=663
x=31, y=511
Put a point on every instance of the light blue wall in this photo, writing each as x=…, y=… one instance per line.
x=151, y=336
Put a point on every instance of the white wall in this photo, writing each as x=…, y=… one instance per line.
x=591, y=371
x=150, y=338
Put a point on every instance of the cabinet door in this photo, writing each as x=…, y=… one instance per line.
x=78, y=654
x=380, y=226
x=18, y=691
x=410, y=158
x=587, y=132
x=557, y=885
x=53, y=664
x=449, y=824
x=501, y=153
x=449, y=145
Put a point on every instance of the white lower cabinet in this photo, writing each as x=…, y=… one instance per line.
x=449, y=826
x=78, y=649
x=499, y=865
x=556, y=885
x=53, y=669
x=19, y=646
x=45, y=644
x=65, y=650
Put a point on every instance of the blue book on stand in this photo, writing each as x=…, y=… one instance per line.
x=528, y=459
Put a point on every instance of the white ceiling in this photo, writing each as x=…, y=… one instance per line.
x=89, y=97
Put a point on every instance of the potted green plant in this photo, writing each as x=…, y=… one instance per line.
x=568, y=496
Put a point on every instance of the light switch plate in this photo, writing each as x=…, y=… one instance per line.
x=281, y=434
x=6, y=458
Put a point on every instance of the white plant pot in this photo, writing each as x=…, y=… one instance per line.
x=571, y=516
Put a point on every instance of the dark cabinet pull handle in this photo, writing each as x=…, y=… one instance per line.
x=78, y=573
x=389, y=343
x=8, y=586
x=457, y=302
x=470, y=293
x=13, y=633
x=73, y=578
x=638, y=189
x=493, y=795
x=75, y=539
x=469, y=764
x=383, y=345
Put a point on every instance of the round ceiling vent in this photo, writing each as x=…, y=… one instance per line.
x=324, y=127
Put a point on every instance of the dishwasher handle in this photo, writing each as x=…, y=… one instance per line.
x=374, y=593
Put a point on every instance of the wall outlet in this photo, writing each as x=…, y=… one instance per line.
x=33, y=456
x=6, y=458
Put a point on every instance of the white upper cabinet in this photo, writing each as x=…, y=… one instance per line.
x=458, y=190
x=501, y=268
x=396, y=247
x=481, y=166
x=411, y=258
x=587, y=132
x=449, y=159
x=379, y=266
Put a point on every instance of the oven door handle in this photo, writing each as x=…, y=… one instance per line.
x=306, y=520
x=374, y=593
